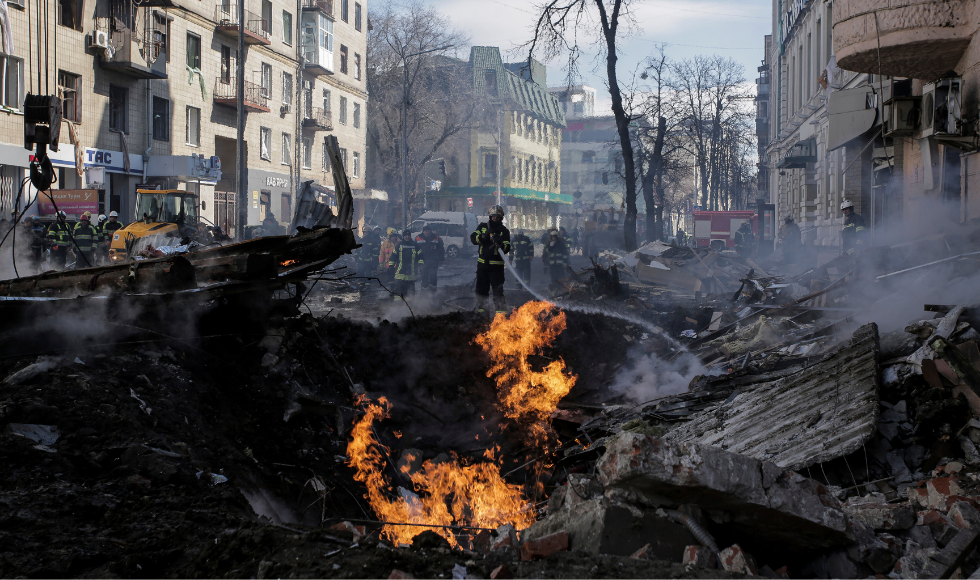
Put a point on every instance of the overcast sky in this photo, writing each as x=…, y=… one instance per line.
x=733, y=28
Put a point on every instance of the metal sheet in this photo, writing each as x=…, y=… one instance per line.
x=825, y=411
x=850, y=115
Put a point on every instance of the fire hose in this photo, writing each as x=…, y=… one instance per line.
x=695, y=527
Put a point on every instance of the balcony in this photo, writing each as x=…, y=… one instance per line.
x=325, y=6
x=121, y=50
x=257, y=29
x=317, y=120
x=920, y=39
x=256, y=101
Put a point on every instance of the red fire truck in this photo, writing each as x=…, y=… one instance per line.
x=716, y=229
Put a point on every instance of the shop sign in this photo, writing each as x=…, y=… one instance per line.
x=72, y=201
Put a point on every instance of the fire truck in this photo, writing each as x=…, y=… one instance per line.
x=716, y=229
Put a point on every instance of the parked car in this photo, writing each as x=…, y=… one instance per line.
x=454, y=227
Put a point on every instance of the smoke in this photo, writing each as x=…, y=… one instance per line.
x=648, y=376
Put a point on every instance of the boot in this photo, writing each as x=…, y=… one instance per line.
x=500, y=304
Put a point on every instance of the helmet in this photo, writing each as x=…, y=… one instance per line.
x=102, y=218
x=87, y=215
x=497, y=210
x=846, y=204
x=62, y=214
x=113, y=214
x=788, y=219
x=426, y=227
x=407, y=232
x=392, y=231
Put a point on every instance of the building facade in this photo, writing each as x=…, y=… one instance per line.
x=577, y=101
x=592, y=165
x=517, y=151
x=763, y=85
x=150, y=90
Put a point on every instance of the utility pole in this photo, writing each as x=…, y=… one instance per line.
x=241, y=157
x=405, y=130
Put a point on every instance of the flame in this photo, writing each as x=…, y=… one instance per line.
x=288, y=262
x=527, y=396
x=448, y=493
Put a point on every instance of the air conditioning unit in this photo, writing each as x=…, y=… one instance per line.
x=941, y=104
x=285, y=109
x=99, y=38
x=903, y=116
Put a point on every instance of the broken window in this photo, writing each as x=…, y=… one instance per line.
x=70, y=13
x=343, y=59
x=118, y=105
x=161, y=119
x=225, y=64
x=265, y=143
x=193, y=51
x=287, y=145
x=71, y=97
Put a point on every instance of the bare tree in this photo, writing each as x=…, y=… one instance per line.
x=709, y=91
x=420, y=95
x=561, y=25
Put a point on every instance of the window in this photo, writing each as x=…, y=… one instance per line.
x=490, y=78
x=71, y=96
x=266, y=80
x=265, y=143
x=70, y=13
x=343, y=10
x=194, y=51
x=193, y=128
x=12, y=70
x=225, y=64
x=357, y=16
x=490, y=165
x=343, y=158
x=356, y=167
x=287, y=28
x=118, y=99
x=326, y=155
x=308, y=98
x=588, y=157
x=343, y=59
x=357, y=66
x=161, y=35
x=161, y=119
x=267, y=17
x=326, y=100
x=357, y=115
x=307, y=153
x=286, y=209
x=343, y=111
x=287, y=145
x=287, y=91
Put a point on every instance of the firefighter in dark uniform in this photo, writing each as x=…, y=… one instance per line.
x=681, y=238
x=36, y=236
x=744, y=240
x=404, y=264
x=852, y=236
x=555, y=256
x=522, y=255
x=59, y=240
x=433, y=254
x=86, y=237
x=491, y=236
x=367, y=255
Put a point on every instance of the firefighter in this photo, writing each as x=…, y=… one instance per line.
x=86, y=237
x=59, y=240
x=555, y=256
x=367, y=256
x=852, y=236
x=681, y=238
x=101, y=249
x=433, y=254
x=790, y=239
x=387, y=247
x=522, y=255
x=744, y=240
x=403, y=265
x=491, y=237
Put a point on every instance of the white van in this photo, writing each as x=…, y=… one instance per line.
x=454, y=227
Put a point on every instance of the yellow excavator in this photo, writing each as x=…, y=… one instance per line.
x=168, y=217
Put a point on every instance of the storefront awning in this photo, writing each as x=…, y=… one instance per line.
x=852, y=113
x=513, y=192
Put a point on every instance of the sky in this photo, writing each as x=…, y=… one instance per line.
x=731, y=28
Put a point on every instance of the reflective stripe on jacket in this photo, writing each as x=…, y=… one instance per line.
x=487, y=253
x=523, y=248
x=556, y=255
x=85, y=236
x=404, y=259
x=58, y=233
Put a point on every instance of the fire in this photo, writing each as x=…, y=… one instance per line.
x=527, y=396
x=288, y=262
x=449, y=493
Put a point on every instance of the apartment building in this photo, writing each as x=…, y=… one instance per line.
x=825, y=142
x=519, y=152
x=576, y=101
x=151, y=91
x=762, y=85
x=931, y=48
